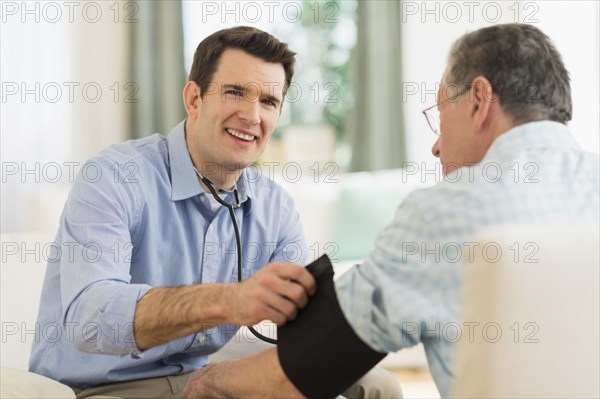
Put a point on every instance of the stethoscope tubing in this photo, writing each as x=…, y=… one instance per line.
x=238, y=240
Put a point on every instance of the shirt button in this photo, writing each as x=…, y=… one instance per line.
x=201, y=338
x=202, y=198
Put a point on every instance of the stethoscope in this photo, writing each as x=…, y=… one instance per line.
x=238, y=240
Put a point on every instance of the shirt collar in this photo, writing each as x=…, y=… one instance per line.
x=532, y=135
x=184, y=181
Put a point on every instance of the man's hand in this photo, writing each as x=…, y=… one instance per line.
x=256, y=376
x=275, y=293
x=201, y=384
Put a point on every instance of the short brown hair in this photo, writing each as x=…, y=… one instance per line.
x=253, y=41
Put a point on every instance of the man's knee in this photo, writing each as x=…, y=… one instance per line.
x=377, y=383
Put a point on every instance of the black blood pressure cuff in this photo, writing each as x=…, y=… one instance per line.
x=319, y=351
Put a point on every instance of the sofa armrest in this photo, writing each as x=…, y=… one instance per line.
x=533, y=310
x=24, y=384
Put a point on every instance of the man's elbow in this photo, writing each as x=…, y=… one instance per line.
x=96, y=337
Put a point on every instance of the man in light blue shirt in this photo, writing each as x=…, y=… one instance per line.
x=139, y=290
x=507, y=157
x=144, y=254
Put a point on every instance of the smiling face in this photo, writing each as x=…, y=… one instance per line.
x=229, y=126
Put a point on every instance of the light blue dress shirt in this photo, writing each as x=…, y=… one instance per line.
x=408, y=289
x=137, y=218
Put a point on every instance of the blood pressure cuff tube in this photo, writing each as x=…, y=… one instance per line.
x=319, y=351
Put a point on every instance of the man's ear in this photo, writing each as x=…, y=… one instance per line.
x=191, y=99
x=481, y=99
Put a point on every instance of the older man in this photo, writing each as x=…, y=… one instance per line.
x=507, y=157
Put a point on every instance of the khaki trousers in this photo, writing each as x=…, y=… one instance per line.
x=377, y=383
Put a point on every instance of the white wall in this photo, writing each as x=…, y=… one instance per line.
x=50, y=52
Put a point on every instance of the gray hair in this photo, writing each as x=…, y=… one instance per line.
x=525, y=70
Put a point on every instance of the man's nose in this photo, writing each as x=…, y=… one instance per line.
x=435, y=150
x=249, y=111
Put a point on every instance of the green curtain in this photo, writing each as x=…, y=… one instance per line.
x=157, y=66
x=377, y=128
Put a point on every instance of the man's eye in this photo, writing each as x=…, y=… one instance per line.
x=234, y=92
x=268, y=102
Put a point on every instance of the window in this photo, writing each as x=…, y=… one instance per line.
x=320, y=97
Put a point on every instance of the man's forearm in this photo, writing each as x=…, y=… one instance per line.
x=275, y=293
x=165, y=314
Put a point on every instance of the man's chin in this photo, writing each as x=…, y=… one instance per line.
x=236, y=166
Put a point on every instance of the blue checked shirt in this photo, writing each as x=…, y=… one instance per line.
x=137, y=218
x=409, y=287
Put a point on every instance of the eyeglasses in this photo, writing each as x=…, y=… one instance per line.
x=432, y=114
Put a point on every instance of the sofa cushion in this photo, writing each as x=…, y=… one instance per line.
x=24, y=258
x=367, y=203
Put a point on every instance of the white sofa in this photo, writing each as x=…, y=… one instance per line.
x=538, y=315
x=22, y=274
